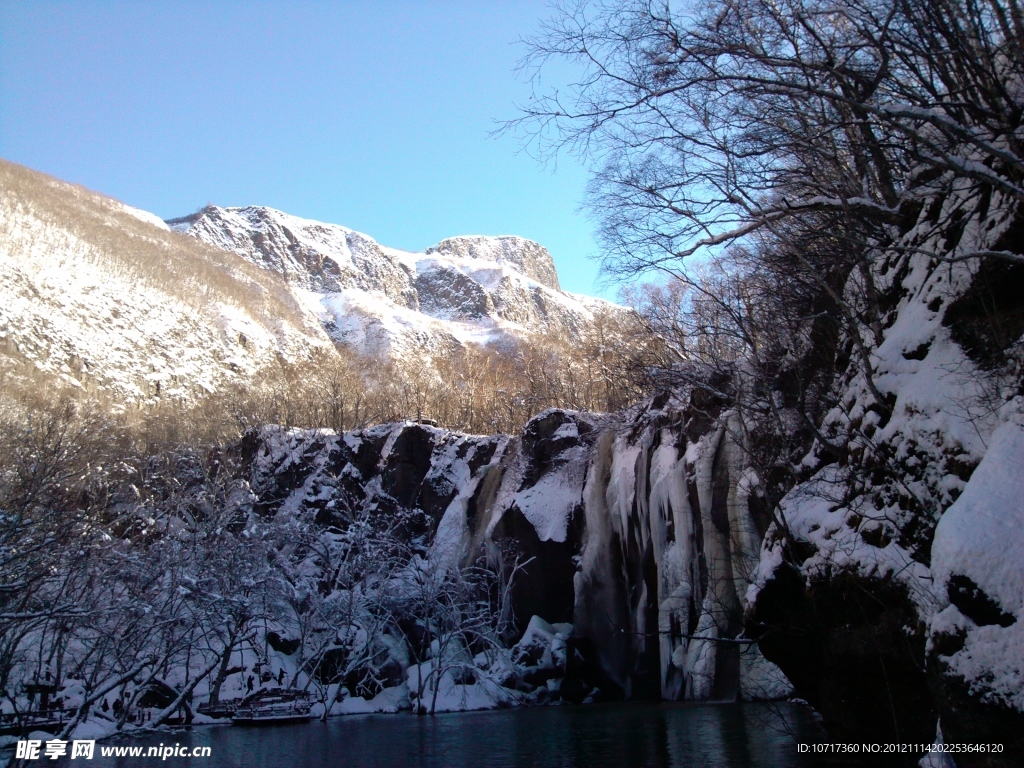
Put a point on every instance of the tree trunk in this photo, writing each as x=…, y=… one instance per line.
x=225, y=662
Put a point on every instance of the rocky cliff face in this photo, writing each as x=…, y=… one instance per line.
x=314, y=256
x=387, y=302
x=638, y=533
x=524, y=256
x=887, y=596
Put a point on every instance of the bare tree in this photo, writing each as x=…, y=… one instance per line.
x=711, y=122
x=448, y=614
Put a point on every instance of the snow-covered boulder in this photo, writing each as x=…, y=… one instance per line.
x=976, y=642
x=541, y=651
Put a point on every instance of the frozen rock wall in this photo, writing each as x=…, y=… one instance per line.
x=891, y=597
x=636, y=532
x=669, y=545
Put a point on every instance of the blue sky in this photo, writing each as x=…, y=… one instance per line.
x=370, y=114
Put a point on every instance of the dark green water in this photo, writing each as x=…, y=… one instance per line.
x=676, y=735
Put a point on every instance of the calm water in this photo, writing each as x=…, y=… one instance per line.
x=727, y=735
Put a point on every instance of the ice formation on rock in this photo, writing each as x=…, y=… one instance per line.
x=638, y=543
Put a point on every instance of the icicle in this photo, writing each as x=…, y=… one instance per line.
x=669, y=502
x=744, y=542
x=701, y=654
x=621, y=489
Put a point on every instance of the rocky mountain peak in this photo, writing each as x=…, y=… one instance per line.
x=383, y=300
x=525, y=256
x=310, y=254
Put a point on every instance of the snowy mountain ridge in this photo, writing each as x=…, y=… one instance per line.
x=95, y=294
x=98, y=295
x=384, y=301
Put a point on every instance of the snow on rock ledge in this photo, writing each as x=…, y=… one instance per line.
x=906, y=519
x=981, y=535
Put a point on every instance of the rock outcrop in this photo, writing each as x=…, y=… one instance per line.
x=891, y=596
x=526, y=257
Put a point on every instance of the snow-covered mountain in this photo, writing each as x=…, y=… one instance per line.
x=384, y=301
x=99, y=295
x=96, y=294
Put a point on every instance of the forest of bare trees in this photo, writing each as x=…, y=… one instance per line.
x=142, y=577
x=480, y=390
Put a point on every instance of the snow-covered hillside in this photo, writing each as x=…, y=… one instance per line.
x=383, y=301
x=108, y=298
x=100, y=295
